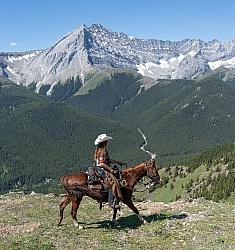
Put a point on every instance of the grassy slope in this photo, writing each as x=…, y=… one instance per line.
x=206, y=166
x=29, y=222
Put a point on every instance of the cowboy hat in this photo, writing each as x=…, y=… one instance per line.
x=101, y=138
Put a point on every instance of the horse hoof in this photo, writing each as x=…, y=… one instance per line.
x=76, y=224
x=114, y=223
x=145, y=222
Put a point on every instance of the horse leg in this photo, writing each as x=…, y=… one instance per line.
x=130, y=204
x=128, y=201
x=114, y=222
x=62, y=206
x=75, y=204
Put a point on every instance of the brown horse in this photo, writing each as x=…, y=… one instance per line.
x=76, y=187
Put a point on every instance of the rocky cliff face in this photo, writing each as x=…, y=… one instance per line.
x=96, y=48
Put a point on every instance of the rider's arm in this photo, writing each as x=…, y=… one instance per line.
x=114, y=161
x=106, y=167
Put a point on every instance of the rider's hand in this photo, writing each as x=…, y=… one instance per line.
x=111, y=171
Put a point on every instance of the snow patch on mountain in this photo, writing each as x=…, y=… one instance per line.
x=12, y=62
x=24, y=57
x=164, y=68
x=95, y=48
x=230, y=63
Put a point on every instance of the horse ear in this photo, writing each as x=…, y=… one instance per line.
x=153, y=160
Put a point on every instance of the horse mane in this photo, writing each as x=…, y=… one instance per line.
x=133, y=167
x=139, y=164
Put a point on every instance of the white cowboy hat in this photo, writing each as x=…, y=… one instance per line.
x=101, y=138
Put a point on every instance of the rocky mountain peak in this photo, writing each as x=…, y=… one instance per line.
x=95, y=48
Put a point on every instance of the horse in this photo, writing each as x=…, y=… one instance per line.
x=76, y=188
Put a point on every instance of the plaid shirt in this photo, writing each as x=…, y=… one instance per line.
x=103, y=157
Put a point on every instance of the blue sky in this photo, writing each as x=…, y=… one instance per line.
x=34, y=24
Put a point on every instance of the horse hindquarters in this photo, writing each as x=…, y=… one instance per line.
x=69, y=182
x=75, y=179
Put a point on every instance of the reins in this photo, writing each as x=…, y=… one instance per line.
x=146, y=186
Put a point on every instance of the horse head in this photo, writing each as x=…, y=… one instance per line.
x=152, y=173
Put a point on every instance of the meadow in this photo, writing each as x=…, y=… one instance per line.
x=29, y=222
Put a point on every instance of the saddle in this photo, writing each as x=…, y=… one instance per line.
x=95, y=179
x=96, y=176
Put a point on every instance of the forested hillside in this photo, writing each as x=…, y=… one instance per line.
x=104, y=92
x=42, y=140
x=210, y=175
x=182, y=118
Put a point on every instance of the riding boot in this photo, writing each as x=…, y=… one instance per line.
x=111, y=197
x=112, y=202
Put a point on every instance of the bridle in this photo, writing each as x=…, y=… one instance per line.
x=150, y=171
x=151, y=174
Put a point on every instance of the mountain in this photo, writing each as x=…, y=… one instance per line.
x=225, y=74
x=182, y=117
x=12, y=62
x=42, y=140
x=108, y=90
x=94, y=49
x=92, y=81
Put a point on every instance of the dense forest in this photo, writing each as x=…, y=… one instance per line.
x=43, y=139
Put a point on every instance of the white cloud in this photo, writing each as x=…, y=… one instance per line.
x=14, y=44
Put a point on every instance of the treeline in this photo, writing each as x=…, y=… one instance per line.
x=109, y=93
x=219, y=181
x=216, y=188
x=42, y=140
x=210, y=174
x=224, y=153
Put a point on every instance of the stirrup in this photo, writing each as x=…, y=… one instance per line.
x=122, y=183
x=114, y=206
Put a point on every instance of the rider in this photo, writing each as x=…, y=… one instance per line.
x=102, y=160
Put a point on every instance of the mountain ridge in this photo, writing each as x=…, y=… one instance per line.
x=96, y=48
x=184, y=115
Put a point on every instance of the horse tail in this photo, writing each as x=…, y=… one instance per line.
x=71, y=190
